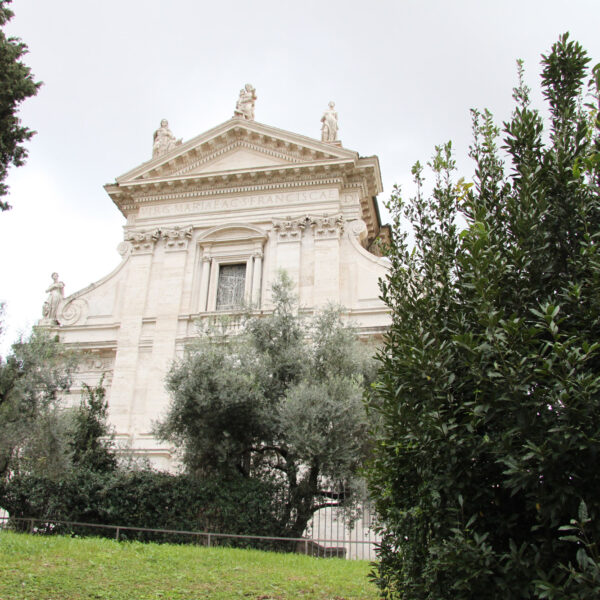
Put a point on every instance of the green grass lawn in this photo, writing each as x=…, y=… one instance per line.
x=63, y=568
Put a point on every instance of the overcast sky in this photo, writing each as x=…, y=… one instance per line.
x=403, y=74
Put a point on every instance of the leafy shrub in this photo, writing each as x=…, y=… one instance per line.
x=147, y=499
x=489, y=386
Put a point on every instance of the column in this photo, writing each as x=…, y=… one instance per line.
x=204, y=274
x=257, y=279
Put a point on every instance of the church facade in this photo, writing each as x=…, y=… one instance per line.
x=209, y=224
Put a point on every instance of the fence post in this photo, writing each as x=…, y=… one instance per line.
x=31, y=526
x=117, y=535
x=208, y=543
x=306, y=546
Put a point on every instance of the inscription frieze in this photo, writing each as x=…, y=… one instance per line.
x=238, y=203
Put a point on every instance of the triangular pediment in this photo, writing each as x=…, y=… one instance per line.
x=236, y=145
x=239, y=157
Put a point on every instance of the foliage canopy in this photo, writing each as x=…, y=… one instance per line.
x=32, y=428
x=489, y=380
x=16, y=85
x=279, y=401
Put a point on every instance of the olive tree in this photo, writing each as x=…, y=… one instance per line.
x=280, y=400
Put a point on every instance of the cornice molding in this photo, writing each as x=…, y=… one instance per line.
x=130, y=201
x=128, y=196
x=235, y=129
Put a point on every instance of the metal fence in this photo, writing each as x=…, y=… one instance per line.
x=325, y=547
x=354, y=534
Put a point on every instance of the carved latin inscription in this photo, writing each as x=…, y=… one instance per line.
x=238, y=203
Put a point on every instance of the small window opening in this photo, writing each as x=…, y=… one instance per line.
x=231, y=286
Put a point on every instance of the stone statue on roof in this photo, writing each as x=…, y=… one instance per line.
x=244, y=107
x=56, y=294
x=329, y=127
x=164, y=140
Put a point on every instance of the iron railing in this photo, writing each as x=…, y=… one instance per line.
x=320, y=547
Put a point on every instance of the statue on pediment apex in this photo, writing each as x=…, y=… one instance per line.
x=329, y=127
x=244, y=107
x=164, y=140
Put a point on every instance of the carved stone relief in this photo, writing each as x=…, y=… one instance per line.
x=123, y=248
x=358, y=228
x=143, y=241
x=176, y=238
x=72, y=311
x=327, y=227
x=289, y=230
x=323, y=227
x=94, y=365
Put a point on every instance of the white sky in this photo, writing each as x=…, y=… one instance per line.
x=403, y=74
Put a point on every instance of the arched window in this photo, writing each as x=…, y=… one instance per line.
x=230, y=267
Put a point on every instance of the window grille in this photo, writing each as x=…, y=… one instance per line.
x=231, y=286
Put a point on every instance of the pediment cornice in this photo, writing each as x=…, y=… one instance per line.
x=237, y=133
x=202, y=168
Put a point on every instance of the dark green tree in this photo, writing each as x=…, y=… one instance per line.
x=90, y=439
x=32, y=377
x=489, y=381
x=16, y=84
x=280, y=401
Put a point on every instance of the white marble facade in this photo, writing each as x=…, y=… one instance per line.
x=211, y=221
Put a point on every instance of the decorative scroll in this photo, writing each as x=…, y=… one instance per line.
x=72, y=311
x=123, y=248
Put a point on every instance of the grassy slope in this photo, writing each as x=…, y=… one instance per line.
x=59, y=568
